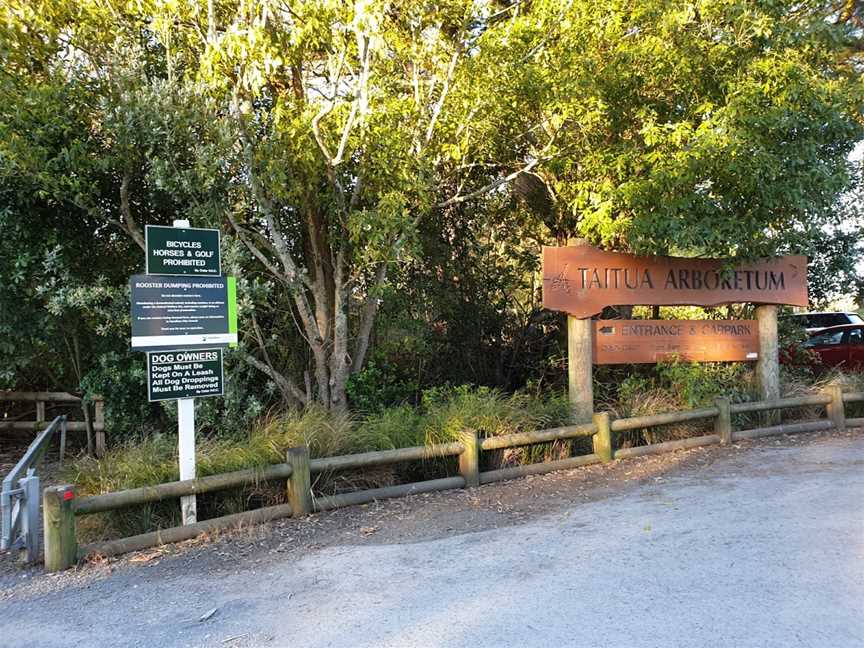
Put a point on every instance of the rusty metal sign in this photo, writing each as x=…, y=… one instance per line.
x=582, y=280
x=649, y=341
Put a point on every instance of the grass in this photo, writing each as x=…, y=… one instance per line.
x=676, y=386
x=442, y=417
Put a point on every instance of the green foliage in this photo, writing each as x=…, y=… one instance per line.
x=350, y=139
x=450, y=410
x=378, y=386
x=444, y=414
x=120, y=379
x=676, y=386
x=717, y=128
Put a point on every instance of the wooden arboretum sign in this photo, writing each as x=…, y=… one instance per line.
x=582, y=280
x=649, y=341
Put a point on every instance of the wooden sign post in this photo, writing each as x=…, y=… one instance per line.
x=768, y=365
x=581, y=280
x=579, y=371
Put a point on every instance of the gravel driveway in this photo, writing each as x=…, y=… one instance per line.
x=760, y=544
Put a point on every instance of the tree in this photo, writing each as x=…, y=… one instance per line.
x=334, y=141
x=336, y=111
x=710, y=128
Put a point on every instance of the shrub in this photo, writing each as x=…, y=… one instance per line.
x=448, y=411
x=443, y=415
x=676, y=385
x=378, y=386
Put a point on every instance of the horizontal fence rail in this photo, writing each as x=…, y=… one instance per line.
x=388, y=492
x=188, y=532
x=638, y=422
x=36, y=426
x=136, y=496
x=781, y=403
x=299, y=468
x=787, y=428
x=668, y=446
x=48, y=397
x=539, y=436
x=93, y=423
x=513, y=472
x=383, y=457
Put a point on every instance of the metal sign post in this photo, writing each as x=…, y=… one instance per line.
x=186, y=428
x=182, y=322
x=186, y=439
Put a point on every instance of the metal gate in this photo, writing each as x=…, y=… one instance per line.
x=20, y=495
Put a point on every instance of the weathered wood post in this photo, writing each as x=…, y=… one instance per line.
x=835, y=409
x=99, y=425
x=58, y=513
x=723, y=422
x=300, y=482
x=580, y=380
x=40, y=414
x=88, y=423
x=602, y=439
x=768, y=363
x=469, y=459
x=579, y=369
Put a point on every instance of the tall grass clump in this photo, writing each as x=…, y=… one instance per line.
x=803, y=381
x=673, y=386
x=442, y=416
x=447, y=412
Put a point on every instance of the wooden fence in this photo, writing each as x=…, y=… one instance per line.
x=93, y=423
x=61, y=506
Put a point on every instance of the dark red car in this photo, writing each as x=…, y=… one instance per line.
x=839, y=346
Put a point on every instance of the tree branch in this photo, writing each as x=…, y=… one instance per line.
x=361, y=102
x=285, y=384
x=256, y=252
x=491, y=186
x=129, y=223
x=367, y=320
x=444, y=90
x=328, y=108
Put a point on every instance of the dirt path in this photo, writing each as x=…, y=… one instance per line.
x=757, y=544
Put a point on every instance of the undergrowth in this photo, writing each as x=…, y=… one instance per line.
x=442, y=416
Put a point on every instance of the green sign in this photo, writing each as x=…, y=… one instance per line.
x=182, y=251
x=183, y=312
x=184, y=374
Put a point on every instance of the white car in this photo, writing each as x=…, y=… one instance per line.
x=815, y=322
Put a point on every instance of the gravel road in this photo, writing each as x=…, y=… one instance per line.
x=761, y=544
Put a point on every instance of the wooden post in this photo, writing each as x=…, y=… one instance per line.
x=61, y=546
x=835, y=409
x=40, y=413
x=602, y=440
x=768, y=363
x=88, y=423
x=723, y=422
x=469, y=460
x=63, y=428
x=99, y=425
x=579, y=368
x=300, y=482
